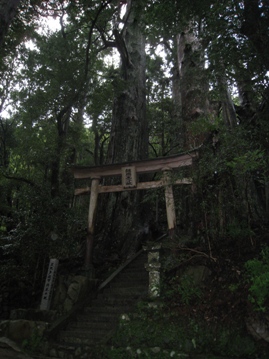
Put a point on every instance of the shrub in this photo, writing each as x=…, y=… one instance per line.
x=258, y=277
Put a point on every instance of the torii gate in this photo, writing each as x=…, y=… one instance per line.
x=129, y=172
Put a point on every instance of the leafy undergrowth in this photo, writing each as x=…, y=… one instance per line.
x=203, y=320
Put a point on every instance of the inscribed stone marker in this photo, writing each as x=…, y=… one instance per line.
x=48, y=288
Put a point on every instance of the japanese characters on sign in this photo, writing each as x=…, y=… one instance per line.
x=48, y=288
x=129, y=177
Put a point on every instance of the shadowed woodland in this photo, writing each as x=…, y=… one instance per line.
x=121, y=81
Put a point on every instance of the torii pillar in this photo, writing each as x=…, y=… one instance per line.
x=90, y=230
x=169, y=201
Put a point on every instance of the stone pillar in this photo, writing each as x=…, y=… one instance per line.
x=153, y=267
x=49, y=284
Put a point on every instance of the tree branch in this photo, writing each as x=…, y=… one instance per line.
x=21, y=179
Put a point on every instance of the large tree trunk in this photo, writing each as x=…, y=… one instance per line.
x=177, y=101
x=228, y=109
x=193, y=83
x=129, y=133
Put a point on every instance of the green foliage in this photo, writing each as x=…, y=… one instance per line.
x=182, y=290
x=204, y=125
x=33, y=344
x=234, y=287
x=257, y=271
x=235, y=344
x=239, y=230
x=110, y=353
x=249, y=161
x=172, y=334
x=229, y=180
x=157, y=330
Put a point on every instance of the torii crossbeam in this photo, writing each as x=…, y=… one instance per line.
x=129, y=172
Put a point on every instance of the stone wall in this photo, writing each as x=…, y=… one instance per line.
x=69, y=291
x=24, y=324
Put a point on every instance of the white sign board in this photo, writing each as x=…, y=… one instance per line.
x=49, y=284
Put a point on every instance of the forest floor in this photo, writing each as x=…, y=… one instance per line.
x=215, y=318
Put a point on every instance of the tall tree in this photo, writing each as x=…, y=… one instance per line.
x=129, y=131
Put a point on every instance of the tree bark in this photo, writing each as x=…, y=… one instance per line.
x=177, y=101
x=129, y=132
x=193, y=84
x=228, y=109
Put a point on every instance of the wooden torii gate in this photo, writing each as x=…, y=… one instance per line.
x=129, y=172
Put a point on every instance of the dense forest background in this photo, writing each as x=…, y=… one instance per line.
x=121, y=81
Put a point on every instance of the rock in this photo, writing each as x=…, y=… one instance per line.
x=155, y=350
x=197, y=273
x=83, y=283
x=76, y=291
x=34, y=315
x=20, y=330
x=258, y=327
x=10, y=354
x=73, y=291
x=6, y=342
x=53, y=353
x=68, y=305
x=78, y=351
x=59, y=294
x=10, y=350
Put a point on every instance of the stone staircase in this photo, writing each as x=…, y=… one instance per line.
x=97, y=321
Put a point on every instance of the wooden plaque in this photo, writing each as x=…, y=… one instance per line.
x=129, y=177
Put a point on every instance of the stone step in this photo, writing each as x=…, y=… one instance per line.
x=132, y=275
x=138, y=262
x=130, y=281
x=86, y=337
x=71, y=340
x=127, y=283
x=114, y=299
x=107, y=309
x=42, y=357
x=66, y=350
x=135, y=269
x=125, y=292
x=97, y=317
x=93, y=325
x=141, y=264
x=98, y=320
x=107, y=300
